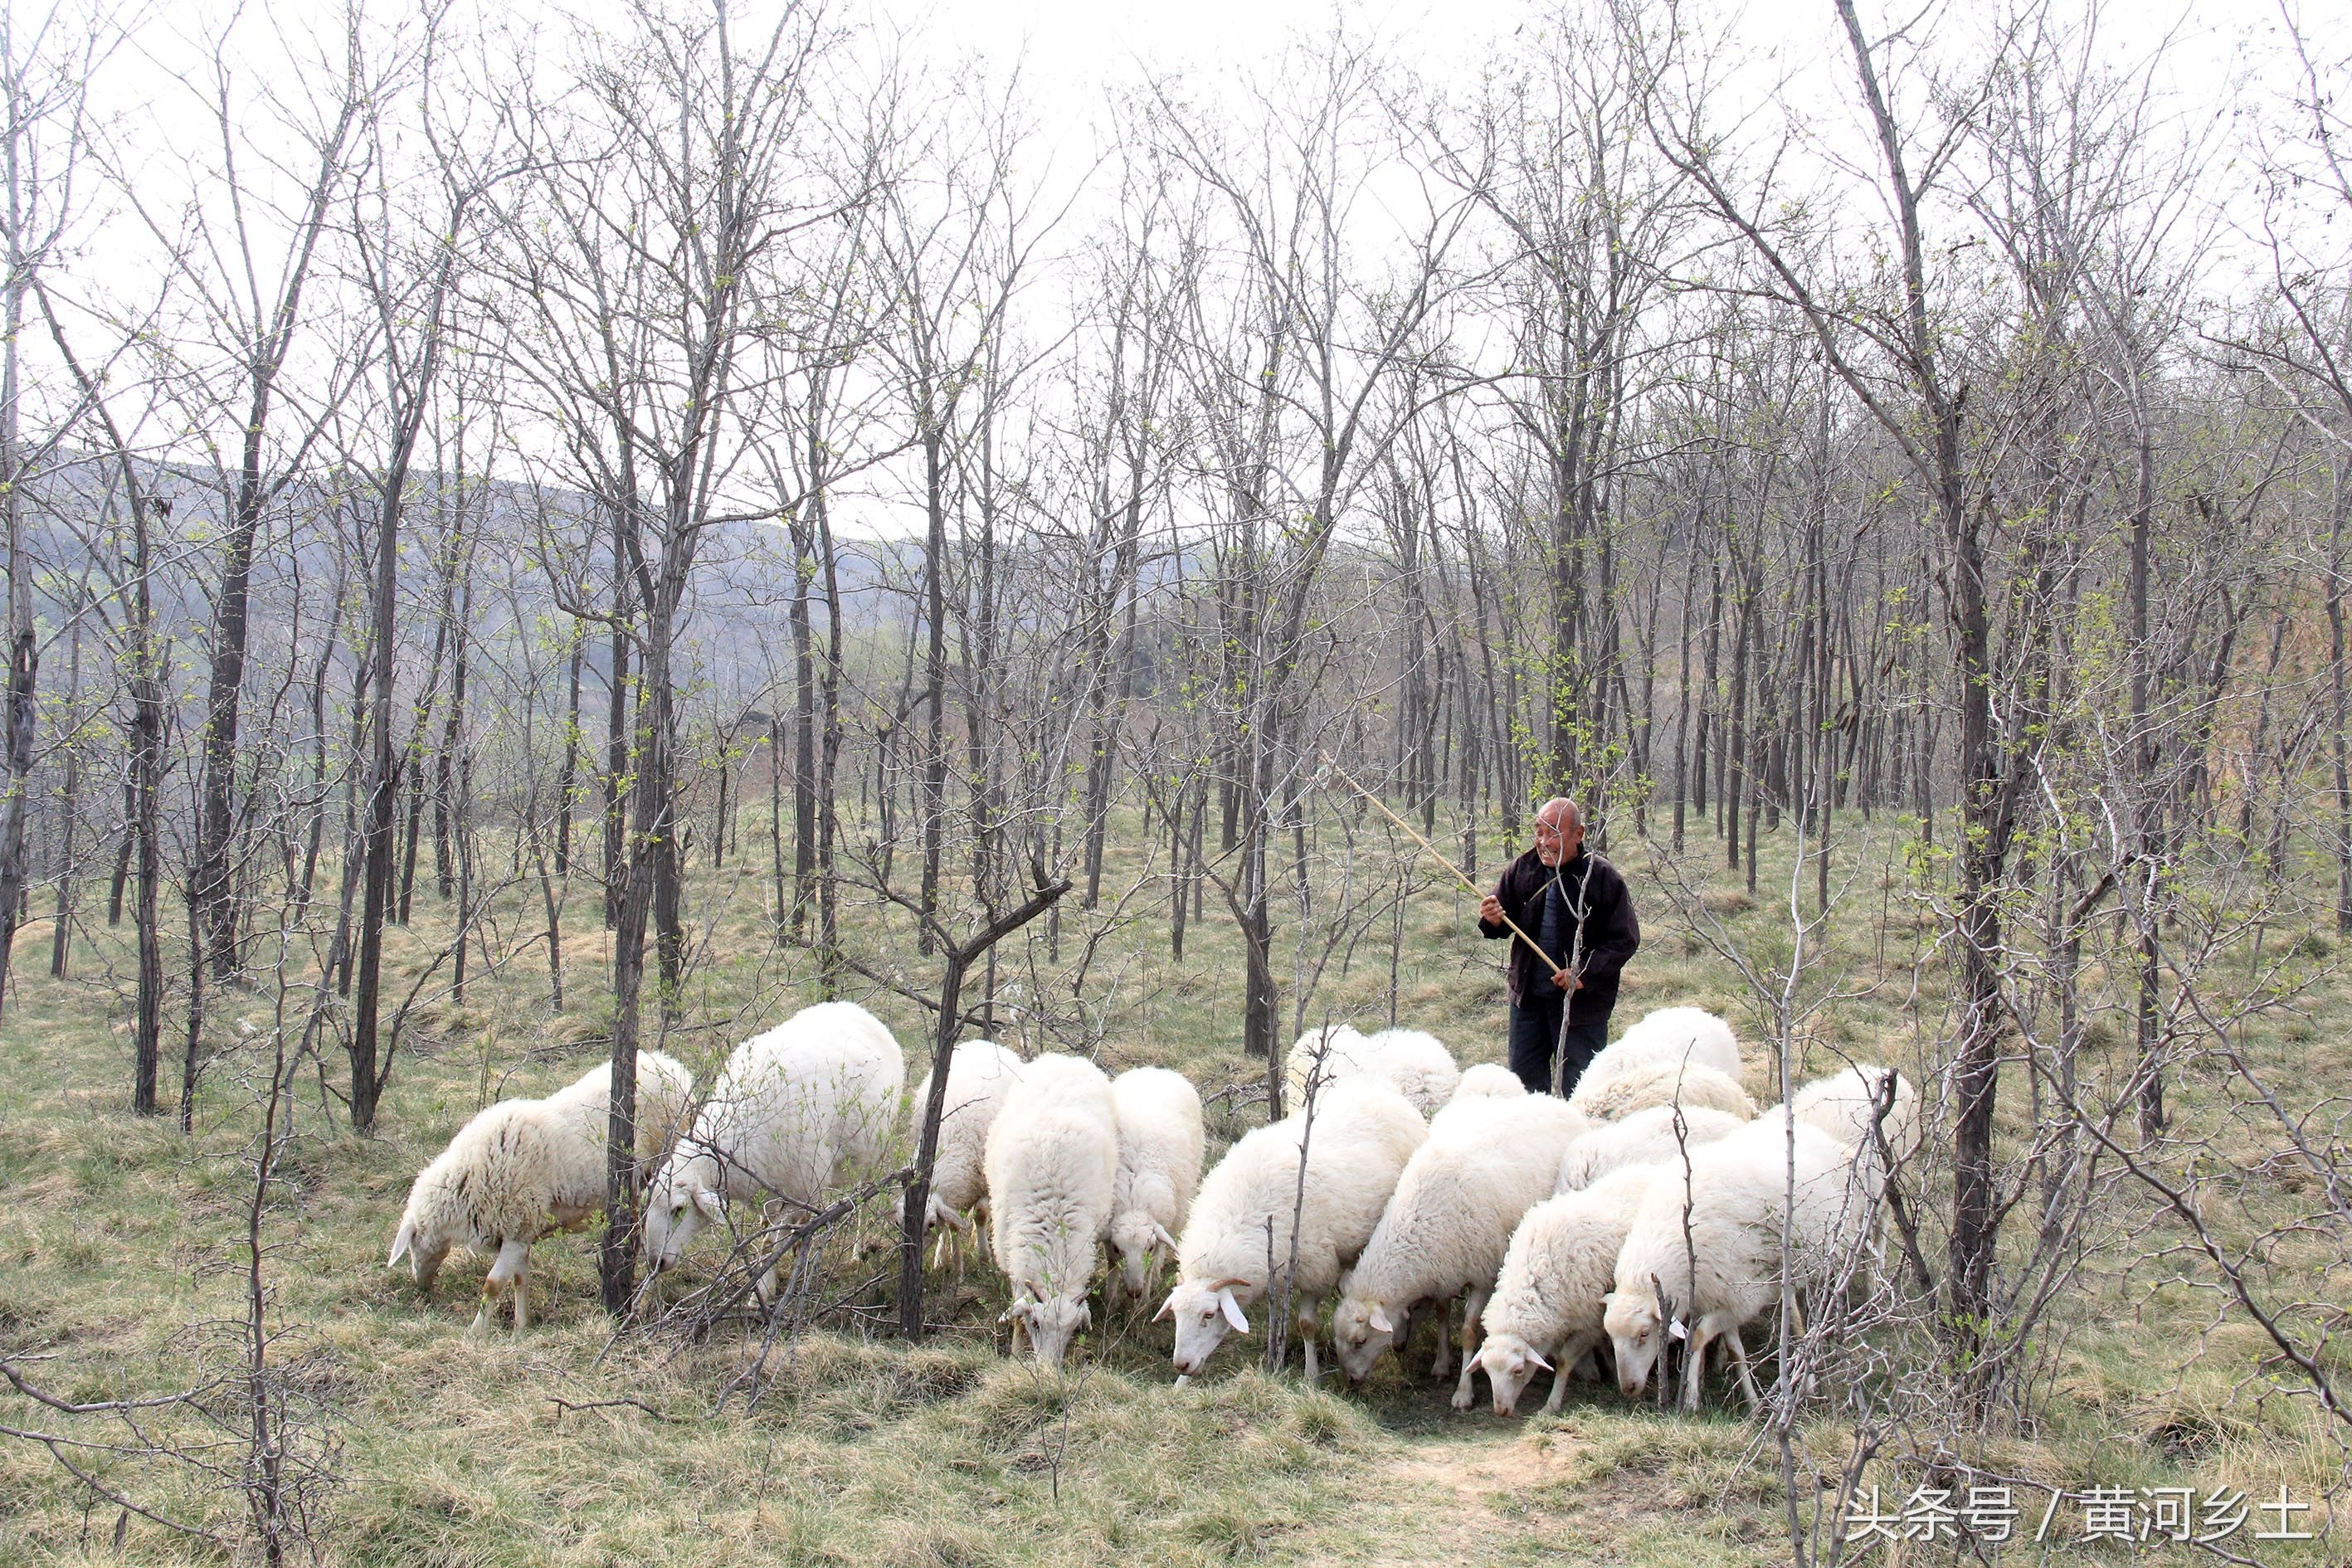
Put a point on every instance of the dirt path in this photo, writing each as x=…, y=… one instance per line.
x=1472, y=1493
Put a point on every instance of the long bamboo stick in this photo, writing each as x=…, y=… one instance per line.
x=1429, y=849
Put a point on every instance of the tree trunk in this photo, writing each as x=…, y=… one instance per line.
x=917, y=1206
x=61, y=944
x=567, y=776
x=17, y=757
x=935, y=685
x=617, y=732
x=651, y=820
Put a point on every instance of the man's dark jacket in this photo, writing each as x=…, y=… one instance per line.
x=1611, y=932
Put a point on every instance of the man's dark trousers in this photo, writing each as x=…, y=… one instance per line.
x=1535, y=1031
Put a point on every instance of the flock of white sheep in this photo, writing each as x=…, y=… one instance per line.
x=1651, y=1206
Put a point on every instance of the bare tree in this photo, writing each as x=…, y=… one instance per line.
x=662, y=193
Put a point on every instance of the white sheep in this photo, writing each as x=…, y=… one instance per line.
x=1415, y=1062
x=1548, y=1299
x=1620, y=1094
x=980, y=1074
x=1704, y=1259
x=1052, y=1164
x=1161, y=1146
x=1445, y=1231
x=1363, y=1131
x=1487, y=1080
x=523, y=1168
x=1646, y=1137
x=664, y=1096
x=794, y=1108
x=513, y=1173
x=1668, y=1036
x=1337, y=1048
x=1844, y=1105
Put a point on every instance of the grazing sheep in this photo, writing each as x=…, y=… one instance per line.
x=1416, y=1062
x=1644, y=1138
x=665, y=1095
x=1363, y=1132
x=513, y=1173
x=1487, y=1080
x=1716, y=1261
x=1341, y=1052
x=811, y=1098
x=1547, y=1298
x=524, y=1168
x=1845, y=1104
x=1052, y=1163
x=1445, y=1231
x=1161, y=1145
x=1620, y=1094
x=980, y=1074
x=1669, y=1035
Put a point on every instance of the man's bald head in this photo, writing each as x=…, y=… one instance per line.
x=1560, y=830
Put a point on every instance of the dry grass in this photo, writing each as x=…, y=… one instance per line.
x=114, y=1234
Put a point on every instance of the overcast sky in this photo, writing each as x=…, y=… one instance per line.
x=1783, y=61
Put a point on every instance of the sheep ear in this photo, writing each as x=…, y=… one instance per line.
x=1380, y=1319
x=1167, y=1308
x=712, y=1206
x=961, y=1222
x=1677, y=1331
x=1537, y=1356
x=1020, y=1308
x=1085, y=1315
x=1233, y=1311
x=402, y=1241
x=1161, y=1233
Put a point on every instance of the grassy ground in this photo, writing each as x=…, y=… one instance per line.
x=120, y=1241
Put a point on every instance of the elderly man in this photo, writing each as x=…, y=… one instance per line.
x=1576, y=907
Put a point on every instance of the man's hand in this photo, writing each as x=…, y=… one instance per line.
x=1566, y=980
x=1490, y=911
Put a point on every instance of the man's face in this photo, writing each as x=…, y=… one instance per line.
x=1557, y=834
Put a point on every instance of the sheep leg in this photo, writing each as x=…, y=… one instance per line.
x=1571, y=1355
x=1473, y=1305
x=1703, y=1334
x=1445, y=1362
x=1309, y=1321
x=1740, y=1361
x=506, y=1270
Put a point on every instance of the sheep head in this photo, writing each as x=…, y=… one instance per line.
x=1203, y=1309
x=1511, y=1364
x=677, y=1206
x=1052, y=1323
x=1137, y=1238
x=424, y=1251
x=1637, y=1332
x=1362, y=1330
